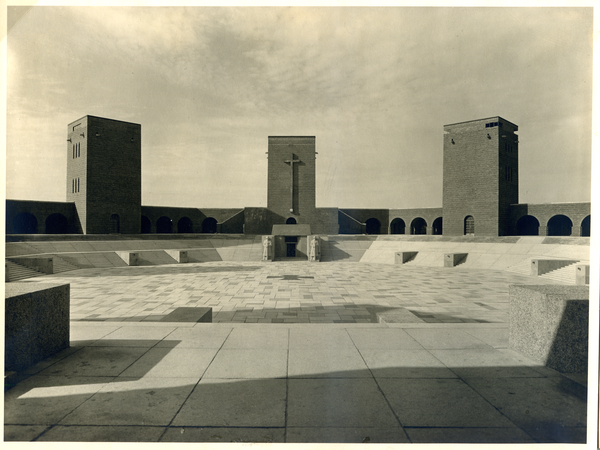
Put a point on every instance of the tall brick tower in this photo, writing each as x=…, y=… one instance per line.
x=291, y=178
x=481, y=180
x=104, y=174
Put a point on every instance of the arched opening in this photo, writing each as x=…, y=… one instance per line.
x=164, y=225
x=560, y=225
x=469, y=226
x=418, y=226
x=397, y=226
x=57, y=224
x=209, y=225
x=528, y=226
x=146, y=225
x=185, y=225
x=586, y=226
x=115, y=224
x=25, y=223
x=291, y=221
x=437, y=226
x=373, y=226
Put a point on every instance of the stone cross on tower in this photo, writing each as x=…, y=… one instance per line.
x=291, y=162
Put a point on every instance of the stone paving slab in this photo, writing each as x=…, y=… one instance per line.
x=319, y=384
x=291, y=292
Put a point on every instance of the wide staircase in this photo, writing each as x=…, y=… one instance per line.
x=18, y=272
x=564, y=274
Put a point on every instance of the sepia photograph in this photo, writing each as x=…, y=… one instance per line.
x=277, y=224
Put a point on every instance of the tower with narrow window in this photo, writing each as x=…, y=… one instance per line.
x=481, y=177
x=104, y=174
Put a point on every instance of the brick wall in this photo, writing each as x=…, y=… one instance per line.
x=108, y=166
x=362, y=216
x=279, y=178
x=429, y=215
x=17, y=212
x=472, y=182
x=543, y=212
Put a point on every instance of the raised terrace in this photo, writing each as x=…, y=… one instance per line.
x=413, y=351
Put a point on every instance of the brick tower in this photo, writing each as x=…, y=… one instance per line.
x=291, y=179
x=481, y=178
x=104, y=174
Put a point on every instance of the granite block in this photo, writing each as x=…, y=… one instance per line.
x=36, y=322
x=550, y=324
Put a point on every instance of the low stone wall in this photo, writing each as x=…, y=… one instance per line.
x=44, y=265
x=550, y=324
x=36, y=322
x=542, y=266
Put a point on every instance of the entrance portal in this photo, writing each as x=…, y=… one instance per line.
x=290, y=243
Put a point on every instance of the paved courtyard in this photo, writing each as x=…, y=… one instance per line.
x=444, y=376
x=291, y=292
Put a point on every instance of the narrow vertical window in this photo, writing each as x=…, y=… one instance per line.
x=469, y=225
x=73, y=186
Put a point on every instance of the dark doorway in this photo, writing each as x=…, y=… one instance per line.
x=185, y=225
x=290, y=243
x=25, y=223
x=586, y=226
x=57, y=224
x=418, y=226
x=373, y=226
x=437, y=226
x=164, y=225
x=146, y=225
x=528, y=226
x=398, y=226
x=560, y=226
x=291, y=221
x=115, y=224
x=209, y=225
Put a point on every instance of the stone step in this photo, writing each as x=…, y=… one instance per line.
x=60, y=265
x=18, y=272
x=564, y=274
x=522, y=268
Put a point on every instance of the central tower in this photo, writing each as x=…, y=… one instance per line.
x=291, y=178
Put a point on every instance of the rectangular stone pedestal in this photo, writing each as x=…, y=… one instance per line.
x=582, y=274
x=131, y=258
x=404, y=257
x=181, y=256
x=550, y=324
x=37, y=322
x=454, y=259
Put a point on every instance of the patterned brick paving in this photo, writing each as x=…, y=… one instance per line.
x=291, y=292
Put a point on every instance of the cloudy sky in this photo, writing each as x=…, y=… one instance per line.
x=374, y=85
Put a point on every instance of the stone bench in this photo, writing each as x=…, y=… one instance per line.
x=454, y=259
x=404, y=257
x=36, y=322
x=550, y=324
